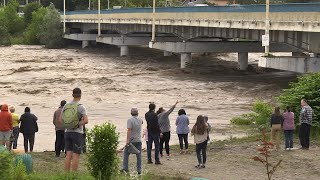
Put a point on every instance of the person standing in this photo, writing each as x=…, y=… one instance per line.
x=182, y=123
x=59, y=143
x=200, y=133
x=305, y=124
x=288, y=127
x=5, y=126
x=276, y=122
x=15, y=125
x=154, y=133
x=134, y=125
x=28, y=128
x=165, y=127
x=74, y=136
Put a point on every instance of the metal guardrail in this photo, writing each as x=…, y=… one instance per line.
x=294, y=7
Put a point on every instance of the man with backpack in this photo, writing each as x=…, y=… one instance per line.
x=73, y=118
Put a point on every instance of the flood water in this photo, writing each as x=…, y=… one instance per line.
x=40, y=78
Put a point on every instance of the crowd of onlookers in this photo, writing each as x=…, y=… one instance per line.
x=285, y=122
x=157, y=131
x=9, y=127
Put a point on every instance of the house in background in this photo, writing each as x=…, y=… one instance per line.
x=186, y=2
x=218, y=2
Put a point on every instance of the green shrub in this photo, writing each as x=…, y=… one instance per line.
x=307, y=87
x=6, y=163
x=245, y=119
x=20, y=171
x=259, y=117
x=101, y=151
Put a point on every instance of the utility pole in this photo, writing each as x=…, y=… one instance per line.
x=108, y=4
x=64, y=16
x=153, y=39
x=4, y=3
x=89, y=7
x=99, y=25
x=267, y=26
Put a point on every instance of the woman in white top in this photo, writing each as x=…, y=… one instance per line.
x=200, y=133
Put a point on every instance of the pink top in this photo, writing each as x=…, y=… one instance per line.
x=288, y=123
x=145, y=134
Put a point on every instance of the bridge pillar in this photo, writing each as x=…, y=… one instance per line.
x=243, y=60
x=85, y=43
x=124, y=50
x=186, y=60
x=167, y=53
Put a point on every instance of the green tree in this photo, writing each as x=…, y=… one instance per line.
x=11, y=19
x=307, y=87
x=4, y=35
x=51, y=31
x=31, y=35
x=28, y=10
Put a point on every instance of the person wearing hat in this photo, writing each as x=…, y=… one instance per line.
x=74, y=136
x=59, y=143
x=134, y=125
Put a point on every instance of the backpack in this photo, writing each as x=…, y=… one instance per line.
x=70, y=117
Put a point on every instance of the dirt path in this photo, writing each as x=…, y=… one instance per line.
x=234, y=162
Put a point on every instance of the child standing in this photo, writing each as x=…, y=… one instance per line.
x=200, y=132
x=145, y=135
x=209, y=126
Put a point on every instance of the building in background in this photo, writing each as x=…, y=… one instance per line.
x=218, y=2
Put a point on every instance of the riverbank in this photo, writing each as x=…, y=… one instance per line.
x=40, y=78
x=227, y=160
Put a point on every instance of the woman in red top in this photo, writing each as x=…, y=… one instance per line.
x=5, y=126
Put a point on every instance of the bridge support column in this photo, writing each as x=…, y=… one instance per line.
x=85, y=43
x=186, y=60
x=243, y=60
x=167, y=53
x=124, y=50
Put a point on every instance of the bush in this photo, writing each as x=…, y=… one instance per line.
x=307, y=87
x=20, y=171
x=245, y=119
x=102, y=151
x=11, y=19
x=6, y=163
x=259, y=117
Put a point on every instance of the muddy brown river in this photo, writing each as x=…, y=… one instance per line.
x=40, y=78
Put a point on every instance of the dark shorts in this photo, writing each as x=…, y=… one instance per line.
x=73, y=142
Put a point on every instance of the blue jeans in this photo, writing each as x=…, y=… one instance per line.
x=15, y=137
x=153, y=137
x=125, y=167
x=289, y=138
x=201, y=148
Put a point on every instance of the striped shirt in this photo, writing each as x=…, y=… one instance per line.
x=306, y=115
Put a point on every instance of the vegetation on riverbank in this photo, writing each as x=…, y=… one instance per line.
x=39, y=25
x=307, y=87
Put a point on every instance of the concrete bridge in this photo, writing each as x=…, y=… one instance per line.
x=293, y=28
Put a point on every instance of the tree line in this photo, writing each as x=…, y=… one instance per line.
x=39, y=25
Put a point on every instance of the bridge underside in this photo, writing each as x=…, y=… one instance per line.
x=188, y=39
